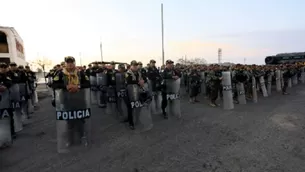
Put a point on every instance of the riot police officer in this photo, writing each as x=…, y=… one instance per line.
x=5, y=105
x=168, y=74
x=194, y=83
x=142, y=71
x=133, y=79
x=72, y=104
x=214, y=78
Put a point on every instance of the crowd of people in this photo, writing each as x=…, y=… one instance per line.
x=17, y=99
x=132, y=93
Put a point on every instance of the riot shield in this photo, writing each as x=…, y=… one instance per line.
x=93, y=85
x=73, y=112
x=269, y=83
x=282, y=79
x=289, y=83
x=16, y=106
x=227, y=91
x=140, y=110
x=121, y=96
x=50, y=80
x=203, y=84
x=295, y=79
x=278, y=80
x=24, y=101
x=30, y=88
x=102, y=83
x=302, y=75
x=5, y=120
x=241, y=97
x=263, y=86
x=156, y=97
x=254, y=90
x=173, y=97
x=112, y=102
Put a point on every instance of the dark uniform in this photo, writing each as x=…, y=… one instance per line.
x=153, y=74
x=143, y=72
x=168, y=73
x=60, y=80
x=130, y=80
x=195, y=84
x=214, y=78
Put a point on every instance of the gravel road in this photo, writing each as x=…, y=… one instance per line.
x=263, y=137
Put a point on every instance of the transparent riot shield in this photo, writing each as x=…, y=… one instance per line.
x=278, y=80
x=254, y=90
x=263, y=86
x=173, y=97
x=140, y=110
x=227, y=91
x=156, y=96
x=73, y=111
x=16, y=106
x=30, y=94
x=93, y=85
x=269, y=83
x=302, y=75
x=289, y=82
x=241, y=97
x=295, y=79
x=121, y=96
x=282, y=79
x=112, y=102
x=23, y=100
x=102, y=83
x=5, y=120
x=203, y=84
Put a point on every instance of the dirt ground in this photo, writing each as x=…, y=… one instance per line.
x=263, y=137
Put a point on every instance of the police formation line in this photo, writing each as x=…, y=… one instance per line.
x=17, y=100
x=132, y=93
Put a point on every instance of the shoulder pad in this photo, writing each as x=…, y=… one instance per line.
x=56, y=78
x=8, y=78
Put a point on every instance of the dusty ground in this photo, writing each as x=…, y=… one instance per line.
x=263, y=137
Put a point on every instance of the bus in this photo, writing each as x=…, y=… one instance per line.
x=11, y=47
x=286, y=58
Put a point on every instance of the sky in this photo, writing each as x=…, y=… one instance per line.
x=246, y=31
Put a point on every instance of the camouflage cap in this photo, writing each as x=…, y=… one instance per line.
x=69, y=59
x=13, y=64
x=169, y=62
x=134, y=63
x=3, y=65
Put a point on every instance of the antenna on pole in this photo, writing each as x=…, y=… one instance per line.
x=101, y=49
x=219, y=55
x=162, y=31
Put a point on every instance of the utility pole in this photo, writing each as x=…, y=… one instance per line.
x=80, y=58
x=219, y=55
x=245, y=60
x=162, y=32
x=101, y=49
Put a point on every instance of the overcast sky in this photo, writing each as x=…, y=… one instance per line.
x=131, y=29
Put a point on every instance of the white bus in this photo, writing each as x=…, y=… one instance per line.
x=11, y=46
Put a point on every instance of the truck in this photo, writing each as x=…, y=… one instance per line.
x=286, y=58
x=11, y=46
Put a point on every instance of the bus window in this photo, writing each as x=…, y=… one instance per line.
x=5, y=60
x=3, y=43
